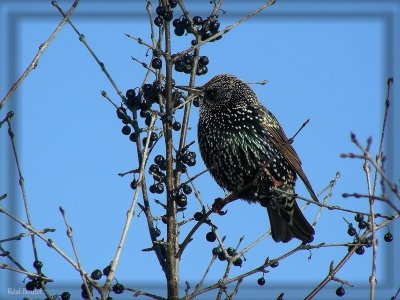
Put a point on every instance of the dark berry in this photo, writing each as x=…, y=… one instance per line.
x=261, y=281
x=388, y=237
x=205, y=36
x=37, y=264
x=201, y=70
x=148, y=87
x=160, y=10
x=211, y=237
x=173, y=3
x=168, y=16
x=360, y=250
x=221, y=256
x=135, y=102
x=30, y=286
x=37, y=283
x=197, y=20
x=120, y=112
x=179, y=31
x=132, y=137
x=216, y=251
x=190, y=161
x=185, y=23
x=351, y=231
x=186, y=189
x=130, y=93
x=126, y=130
x=157, y=232
x=176, y=126
x=196, y=102
x=198, y=216
x=65, y=296
x=156, y=63
x=159, y=160
x=203, y=60
x=214, y=26
x=176, y=23
x=118, y=288
x=96, y=274
x=187, y=69
x=181, y=200
x=134, y=184
x=188, y=58
x=164, y=219
x=193, y=42
x=359, y=217
x=274, y=264
x=107, y=270
x=182, y=168
x=238, y=262
x=84, y=294
x=158, y=21
x=147, y=121
x=144, y=113
x=144, y=141
x=159, y=188
x=362, y=224
x=231, y=251
x=153, y=136
x=340, y=291
x=154, y=168
x=152, y=188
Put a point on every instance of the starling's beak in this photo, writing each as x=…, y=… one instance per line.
x=191, y=89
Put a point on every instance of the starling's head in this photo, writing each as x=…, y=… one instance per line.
x=223, y=91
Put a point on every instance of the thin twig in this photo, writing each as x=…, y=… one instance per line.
x=71, y=238
x=201, y=282
x=137, y=293
x=41, y=50
x=25, y=234
x=331, y=207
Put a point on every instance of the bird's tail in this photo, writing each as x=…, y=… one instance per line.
x=285, y=225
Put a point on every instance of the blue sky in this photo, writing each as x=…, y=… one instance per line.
x=326, y=64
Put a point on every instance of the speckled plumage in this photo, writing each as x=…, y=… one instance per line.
x=243, y=144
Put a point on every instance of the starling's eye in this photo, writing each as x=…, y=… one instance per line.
x=211, y=94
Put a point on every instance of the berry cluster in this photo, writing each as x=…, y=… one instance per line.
x=165, y=13
x=185, y=64
x=142, y=100
x=204, y=28
x=36, y=283
x=180, y=198
x=185, y=159
x=217, y=251
x=362, y=224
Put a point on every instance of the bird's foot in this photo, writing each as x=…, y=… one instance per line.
x=220, y=203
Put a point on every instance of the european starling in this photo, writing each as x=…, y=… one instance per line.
x=247, y=152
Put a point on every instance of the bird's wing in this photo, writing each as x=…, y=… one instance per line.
x=280, y=140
